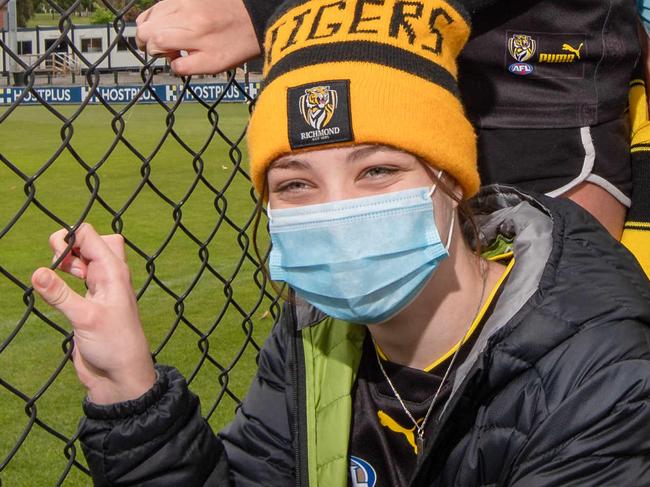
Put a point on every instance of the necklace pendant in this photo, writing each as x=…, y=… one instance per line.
x=419, y=443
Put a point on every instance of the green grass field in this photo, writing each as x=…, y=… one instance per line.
x=42, y=19
x=28, y=138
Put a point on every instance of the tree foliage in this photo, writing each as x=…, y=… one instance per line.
x=101, y=14
x=24, y=12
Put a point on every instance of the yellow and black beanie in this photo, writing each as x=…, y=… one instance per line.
x=351, y=72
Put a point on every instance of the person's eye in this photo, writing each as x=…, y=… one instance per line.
x=293, y=186
x=379, y=171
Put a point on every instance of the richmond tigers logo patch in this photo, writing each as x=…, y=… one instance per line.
x=317, y=105
x=522, y=47
x=319, y=113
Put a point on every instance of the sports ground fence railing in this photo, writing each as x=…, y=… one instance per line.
x=184, y=204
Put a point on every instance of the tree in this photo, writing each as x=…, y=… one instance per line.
x=65, y=4
x=40, y=5
x=24, y=12
x=101, y=15
x=138, y=7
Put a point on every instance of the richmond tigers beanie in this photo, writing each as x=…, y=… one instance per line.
x=351, y=72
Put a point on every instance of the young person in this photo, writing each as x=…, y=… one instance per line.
x=403, y=358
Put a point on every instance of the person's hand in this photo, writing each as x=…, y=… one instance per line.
x=111, y=354
x=216, y=34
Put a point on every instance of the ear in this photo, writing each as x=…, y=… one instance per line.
x=457, y=190
x=454, y=188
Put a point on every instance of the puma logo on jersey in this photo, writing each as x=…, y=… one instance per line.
x=388, y=422
x=568, y=47
x=574, y=55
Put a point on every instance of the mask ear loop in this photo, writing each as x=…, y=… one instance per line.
x=435, y=184
x=268, y=211
x=450, y=233
x=451, y=229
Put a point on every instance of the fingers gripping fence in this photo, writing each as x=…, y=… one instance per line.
x=170, y=177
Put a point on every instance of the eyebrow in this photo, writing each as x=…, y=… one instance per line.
x=361, y=152
x=357, y=154
x=289, y=164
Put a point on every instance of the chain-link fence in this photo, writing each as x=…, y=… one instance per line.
x=156, y=158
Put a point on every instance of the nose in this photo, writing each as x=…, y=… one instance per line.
x=340, y=191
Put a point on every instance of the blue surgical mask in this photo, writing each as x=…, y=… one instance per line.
x=360, y=260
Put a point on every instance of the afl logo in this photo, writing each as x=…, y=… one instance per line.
x=361, y=473
x=522, y=47
x=520, y=69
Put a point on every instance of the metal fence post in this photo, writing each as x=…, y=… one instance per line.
x=12, y=24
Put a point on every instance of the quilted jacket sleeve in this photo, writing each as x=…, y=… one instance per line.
x=259, y=441
x=597, y=428
x=161, y=439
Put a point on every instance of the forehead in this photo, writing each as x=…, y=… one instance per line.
x=356, y=153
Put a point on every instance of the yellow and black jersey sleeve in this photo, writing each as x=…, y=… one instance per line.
x=636, y=234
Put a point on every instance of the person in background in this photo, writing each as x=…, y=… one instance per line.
x=549, y=107
x=546, y=85
x=403, y=356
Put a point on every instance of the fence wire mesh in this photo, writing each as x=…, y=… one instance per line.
x=170, y=176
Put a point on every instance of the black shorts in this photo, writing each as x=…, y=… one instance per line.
x=553, y=161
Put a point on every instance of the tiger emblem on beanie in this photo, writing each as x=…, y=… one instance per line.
x=317, y=106
x=522, y=47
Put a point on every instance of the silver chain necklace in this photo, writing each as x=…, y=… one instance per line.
x=419, y=428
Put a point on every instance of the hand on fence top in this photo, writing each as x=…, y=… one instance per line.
x=217, y=34
x=111, y=354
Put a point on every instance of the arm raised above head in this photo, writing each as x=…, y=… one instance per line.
x=216, y=34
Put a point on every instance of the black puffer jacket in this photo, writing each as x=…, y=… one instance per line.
x=555, y=392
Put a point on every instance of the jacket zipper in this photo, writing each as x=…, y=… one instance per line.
x=298, y=388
